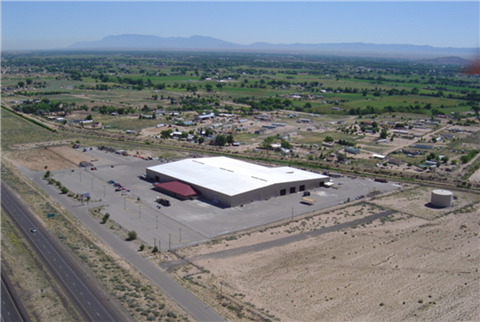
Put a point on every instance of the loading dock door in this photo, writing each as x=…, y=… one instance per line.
x=283, y=192
x=293, y=189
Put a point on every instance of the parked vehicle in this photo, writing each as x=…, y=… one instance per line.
x=163, y=201
x=308, y=201
x=116, y=184
x=120, y=189
x=111, y=182
x=306, y=193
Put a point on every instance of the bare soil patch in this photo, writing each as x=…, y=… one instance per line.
x=51, y=157
x=403, y=267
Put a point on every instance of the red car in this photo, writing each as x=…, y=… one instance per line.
x=120, y=189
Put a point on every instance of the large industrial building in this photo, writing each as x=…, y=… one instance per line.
x=229, y=182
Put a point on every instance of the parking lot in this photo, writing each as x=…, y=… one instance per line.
x=190, y=221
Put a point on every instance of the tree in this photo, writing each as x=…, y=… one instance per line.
x=220, y=140
x=383, y=134
x=64, y=190
x=341, y=157
x=21, y=84
x=47, y=174
x=89, y=117
x=328, y=139
x=132, y=235
x=267, y=142
x=105, y=218
x=230, y=139
x=285, y=144
x=165, y=134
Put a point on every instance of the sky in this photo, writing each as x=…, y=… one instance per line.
x=58, y=24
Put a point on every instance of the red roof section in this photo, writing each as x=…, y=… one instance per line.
x=179, y=188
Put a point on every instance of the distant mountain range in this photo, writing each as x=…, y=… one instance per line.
x=202, y=43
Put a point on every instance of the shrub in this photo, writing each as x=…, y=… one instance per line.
x=132, y=235
x=142, y=247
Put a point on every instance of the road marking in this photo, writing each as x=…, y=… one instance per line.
x=89, y=303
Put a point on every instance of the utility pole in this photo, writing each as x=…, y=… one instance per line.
x=124, y=202
x=157, y=221
x=180, y=235
x=139, y=212
x=169, y=242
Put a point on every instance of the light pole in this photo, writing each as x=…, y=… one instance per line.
x=92, y=183
x=157, y=221
x=103, y=191
x=180, y=235
x=124, y=202
x=139, y=212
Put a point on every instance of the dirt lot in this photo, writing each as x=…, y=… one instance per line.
x=419, y=264
x=53, y=156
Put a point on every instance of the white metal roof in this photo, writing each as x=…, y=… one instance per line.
x=231, y=176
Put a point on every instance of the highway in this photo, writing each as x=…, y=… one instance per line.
x=87, y=298
x=11, y=309
x=189, y=302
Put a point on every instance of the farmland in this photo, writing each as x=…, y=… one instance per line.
x=411, y=122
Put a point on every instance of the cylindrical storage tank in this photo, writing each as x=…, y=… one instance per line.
x=441, y=198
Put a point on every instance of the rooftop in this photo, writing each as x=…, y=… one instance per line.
x=231, y=176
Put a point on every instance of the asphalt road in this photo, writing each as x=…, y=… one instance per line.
x=11, y=308
x=190, y=303
x=87, y=298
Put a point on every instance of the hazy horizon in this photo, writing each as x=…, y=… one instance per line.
x=57, y=25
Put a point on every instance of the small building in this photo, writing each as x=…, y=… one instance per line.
x=401, y=132
x=351, y=150
x=304, y=121
x=378, y=156
x=205, y=117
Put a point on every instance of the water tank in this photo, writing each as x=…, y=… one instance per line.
x=441, y=198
